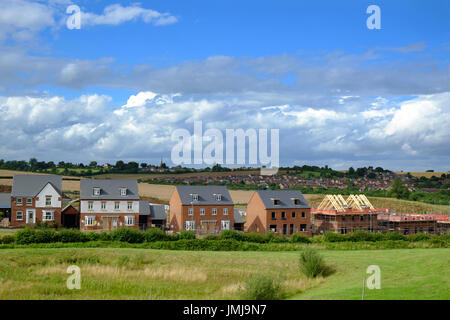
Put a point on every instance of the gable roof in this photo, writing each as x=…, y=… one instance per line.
x=205, y=195
x=285, y=199
x=29, y=185
x=5, y=200
x=238, y=217
x=157, y=212
x=109, y=189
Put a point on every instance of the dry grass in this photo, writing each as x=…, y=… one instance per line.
x=424, y=174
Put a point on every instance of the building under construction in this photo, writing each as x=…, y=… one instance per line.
x=343, y=216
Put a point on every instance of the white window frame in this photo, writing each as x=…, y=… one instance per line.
x=225, y=211
x=116, y=205
x=89, y=221
x=19, y=201
x=214, y=211
x=47, y=198
x=17, y=215
x=96, y=192
x=191, y=211
x=103, y=205
x=90, y=205
x=225, y=223
x=129, y=220
x=218, y=197
x=52, y=215
x=189, y=225
x=29, y=201
x=202, y=211
x=130, y=206
x=194, y=197
x=123, y=192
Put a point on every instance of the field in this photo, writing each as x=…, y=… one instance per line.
x=423, y=174
x=157, y=274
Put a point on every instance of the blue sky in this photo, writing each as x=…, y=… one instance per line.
x=341, y=94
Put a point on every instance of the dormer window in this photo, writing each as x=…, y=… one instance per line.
x=194, y=197
x=123, y=192
x=96, y=192
x=218, y=197
x=276, y=201
x=296, y=201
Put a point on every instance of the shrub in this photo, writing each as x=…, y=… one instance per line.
x=279, y=239
x=127, y=235
x=186, y=234
x=419, y=237
x=256, y=237
x=312, y=264
x=29, y=235
x=262, y=287
x=7, y=239
x=359, y=235
x=154, y=234
x=318, y=239
x=231, y=234
x=394, y=236
x=330, y=236
x=300, y=238
x=70, y=235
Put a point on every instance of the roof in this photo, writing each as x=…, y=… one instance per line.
x=238, y=217
x=144, y=208
x=157, y=212
x=205, y=195
x=29, y=185
x=109, y=189
x=285, y=197
x=5, y=200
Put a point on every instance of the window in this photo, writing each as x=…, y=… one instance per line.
x=303, y=214
x=190, y=225
x=47, y=216
x=225, y=211
x=283, y=215
x=90, y=205
x=130, y=205
x=284, y=228
x=214, y=211
x=273, y=228
x=96, y=192
x=48, y=201
x=19, y=215
x=123, y=192
x=202, y=211
x=362, y=218
x=191, y=211
x=103, y=205
x=353, y=218
x=303, y=227
x=194, y=196
x=276, y=202
x=218, y=197
x=19, y=201
x=225, y=224
x=129, y=220
x=297, y=201
x=291, y=228
x=274, y=215
x=294, y=214
x=29, y=201
x=89, y=220
x=116, y=205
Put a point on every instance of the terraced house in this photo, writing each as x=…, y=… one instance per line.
x=280, y=211
x=35, y=199
x=108, y=204
x=203, y=209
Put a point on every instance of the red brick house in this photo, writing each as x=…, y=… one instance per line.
x=35, y=199
x=280, y=211
x=203, y=209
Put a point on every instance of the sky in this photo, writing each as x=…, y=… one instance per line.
x=340, y=94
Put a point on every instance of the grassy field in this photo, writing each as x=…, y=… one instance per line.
x=423, y=174
x=157, y=274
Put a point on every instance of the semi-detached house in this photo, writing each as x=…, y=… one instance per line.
x=108, y=204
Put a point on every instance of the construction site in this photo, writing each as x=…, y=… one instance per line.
x=340, y=215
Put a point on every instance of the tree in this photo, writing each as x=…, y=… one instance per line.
x=351, y=171
x=143, y=165
x=398, y=190
x=93, y=164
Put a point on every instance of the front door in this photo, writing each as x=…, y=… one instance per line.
x=110, y=223
x=31, y=216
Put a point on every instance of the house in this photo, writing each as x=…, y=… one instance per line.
x=280, y=211
x=70, y=216
x=239, y=221
x=203, y=209
x=408, y=224
x=151, y=215
x=35, y=199
x=5, y=209
x=108, y=204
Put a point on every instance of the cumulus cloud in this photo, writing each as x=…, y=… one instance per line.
x=414, y=131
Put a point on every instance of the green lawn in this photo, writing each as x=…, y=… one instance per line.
x=113, y=273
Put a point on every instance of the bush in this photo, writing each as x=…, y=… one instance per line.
x=262, y=287
x=318, y=239
x=187, y=234
x=155, y=234
x=29, y=235
x=359, y=235
x=232, y=234
x=300, y=238
x=330, y=236
x=394, y=236
x=419, y=237
x=127, y=235
x=279, y=239
x=70, y=235
x=7, y=239
x=312, y=264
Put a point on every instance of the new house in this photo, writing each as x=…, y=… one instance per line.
x=108, y=204
x=280, y=211
x=203, y=209
x=35, y=199
x=151, y=215
x=5, y=209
